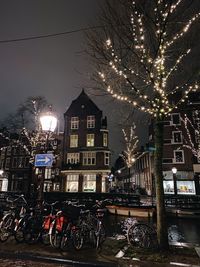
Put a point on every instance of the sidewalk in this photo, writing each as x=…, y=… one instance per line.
x=104, y=258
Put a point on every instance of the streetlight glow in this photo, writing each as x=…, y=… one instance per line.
x=174, y=170
x=48, y=122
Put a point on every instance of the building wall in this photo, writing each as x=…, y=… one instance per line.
x=79, y=174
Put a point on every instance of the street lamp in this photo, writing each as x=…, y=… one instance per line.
x=48, y=124
x=174, y=171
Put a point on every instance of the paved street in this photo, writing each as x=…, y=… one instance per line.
x=27, y=263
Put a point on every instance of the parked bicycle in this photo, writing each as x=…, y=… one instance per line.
x=142, y=235
x=63, y=229
x=11, y=218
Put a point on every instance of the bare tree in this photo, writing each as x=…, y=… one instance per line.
x=143, y=56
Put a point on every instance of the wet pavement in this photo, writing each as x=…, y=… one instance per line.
x=24, y=255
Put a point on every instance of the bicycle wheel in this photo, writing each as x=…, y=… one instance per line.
x=142, y=235
x=19, y=231
x=55, y=236
x=6, y=227
x=77, y=239
x=45, y=238
x=31, y=232
x=100, y=235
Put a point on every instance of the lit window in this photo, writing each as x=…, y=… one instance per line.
x=105, y=139
x=72, y=183
x=175, y=118
x=73, y=158
x=178, y=156
x=74, y=122
x=106, y=158
x=89, y=158
x=74, y=140
x=89, y=183
x=177, y=137
x=91, y=121
x=90, y=139
x=47, y=173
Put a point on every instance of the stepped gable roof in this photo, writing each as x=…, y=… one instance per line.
x=82, y=104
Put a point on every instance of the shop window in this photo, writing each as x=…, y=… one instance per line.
x=91, y=121
x=185, y=187
x=74, y=140
x=74, y=122
x=89, y=183
x=89, y=158
x=90, y=139
x=73, y=158
x=175, y=119
x=177, y=136
x=72, y=183
x=178, y=156
x=168, y=187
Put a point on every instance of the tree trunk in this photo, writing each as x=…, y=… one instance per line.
x=162, y=232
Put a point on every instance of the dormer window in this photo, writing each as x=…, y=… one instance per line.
x=90, y=121
x=74, y=122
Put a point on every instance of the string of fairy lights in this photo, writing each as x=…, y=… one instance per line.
x=131, y=142
x=191, y=130
x=156, y=73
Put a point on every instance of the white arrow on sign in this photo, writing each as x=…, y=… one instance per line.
x=45, y=160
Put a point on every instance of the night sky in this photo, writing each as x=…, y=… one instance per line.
x=53, y=67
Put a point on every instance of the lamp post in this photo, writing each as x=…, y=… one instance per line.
x=48, y=124
x=174, y=171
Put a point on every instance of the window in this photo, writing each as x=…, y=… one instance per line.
x=178, y=156
x=74, y=122
x=106, y=158
x=89, y=183
x=89, y=158
x=47, y=173
x=105, y=139
x=177, y=137
x=90, y=139
x=73, y=158
x=175, y=118
x=74, y=140
x=91, y=121
x=72, y=183
x=7, y=166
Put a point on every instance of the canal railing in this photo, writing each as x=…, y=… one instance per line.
x=179, y=201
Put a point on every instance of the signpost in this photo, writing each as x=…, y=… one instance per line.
x=43, y=160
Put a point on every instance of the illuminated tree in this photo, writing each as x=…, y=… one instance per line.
x=131, y=141
x=144, y=57
x=191, y=140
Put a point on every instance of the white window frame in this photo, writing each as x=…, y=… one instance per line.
x=172, y=119
x=90, y=140
x=74, y=122
x=89, y=182
x=174, y=161
x=90, y=121
x=105, y=139
x=107, y=158
x=72, y=183
x=74, y=140
x=173, y=135
x=73, y=158
x=89, y=158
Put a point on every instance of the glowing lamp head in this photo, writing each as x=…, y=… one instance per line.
x=174, y=170
x=1, y=172
x=48, y=122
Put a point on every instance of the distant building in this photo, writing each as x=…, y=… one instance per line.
x=86, y=156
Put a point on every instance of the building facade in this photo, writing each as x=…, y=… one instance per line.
x=86, y=156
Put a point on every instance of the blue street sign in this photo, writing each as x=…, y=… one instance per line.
x=43, y=160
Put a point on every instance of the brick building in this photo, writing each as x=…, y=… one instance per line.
x=86, y=156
